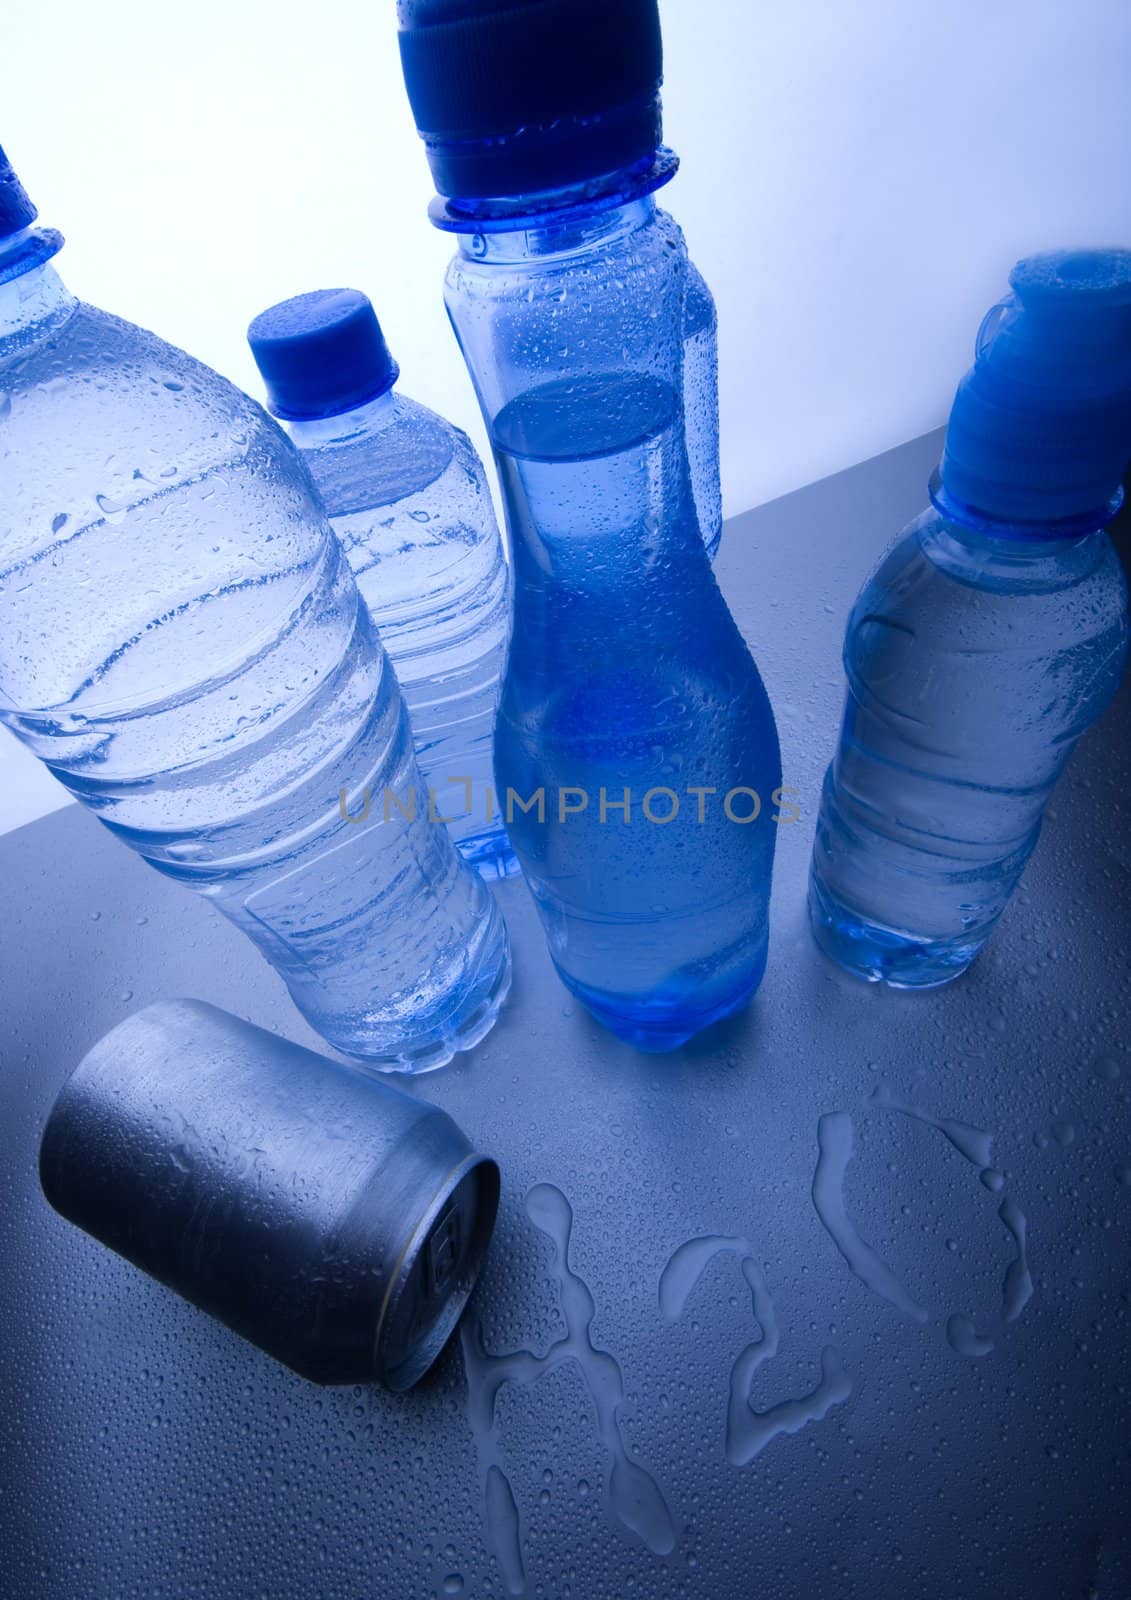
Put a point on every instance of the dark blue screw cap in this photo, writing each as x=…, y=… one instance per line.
x=515, y=97
x=16, y=216
x=1040, y=429
x=321, y=354
x=16, y=210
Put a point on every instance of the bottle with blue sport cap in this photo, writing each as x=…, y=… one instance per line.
x=992, y=635
x=635, y=753
x=407, y=496
x=183, y=643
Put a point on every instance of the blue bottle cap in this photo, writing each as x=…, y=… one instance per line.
x=16, y=216
x=515, y=97
x=16, y=210
x=321, y=354
x=1040, y=429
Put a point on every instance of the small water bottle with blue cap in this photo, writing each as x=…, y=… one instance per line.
x=992, y=635
x=406, y=494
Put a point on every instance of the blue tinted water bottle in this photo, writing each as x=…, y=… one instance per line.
x=635, y=751
x=408, y=499
x=183, y=643
x=991, y=636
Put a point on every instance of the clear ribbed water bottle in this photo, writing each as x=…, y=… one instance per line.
x=635, y=750
x=183, y=643
x=407, y=497
x=992, y=635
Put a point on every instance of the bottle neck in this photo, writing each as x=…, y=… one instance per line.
x=558, y=234
x=1008, y=557
x=345, y=427
x=572, y=202
x=32, y=305
x=978, y=529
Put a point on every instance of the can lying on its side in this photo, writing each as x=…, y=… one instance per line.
x=336, y=1222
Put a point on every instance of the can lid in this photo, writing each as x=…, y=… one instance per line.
x=433, y=1280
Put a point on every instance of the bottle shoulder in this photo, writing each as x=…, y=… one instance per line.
x=140, y=420
x=949, y=627
x=931, y=556
x=91, y=341
x=111, y=387
x=413, y=451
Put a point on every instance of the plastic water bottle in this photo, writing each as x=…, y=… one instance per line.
x=408, y=499
x=183, y=643
x=635, y=751
x=701, y=405
x=991, y=636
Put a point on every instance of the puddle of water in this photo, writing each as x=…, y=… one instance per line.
x=835, y=1144
x=748, y=1430
x=635, y=1497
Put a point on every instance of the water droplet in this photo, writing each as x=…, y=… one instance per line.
x=962, y=1337
x=112, y=510
x=503, y=1530
x=1017, y=1290
x=453, y=1583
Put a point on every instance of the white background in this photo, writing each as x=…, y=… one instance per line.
x=858, y=177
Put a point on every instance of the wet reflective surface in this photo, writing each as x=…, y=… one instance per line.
x=834, y=1301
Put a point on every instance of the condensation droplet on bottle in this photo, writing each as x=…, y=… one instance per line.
x=112, y=510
